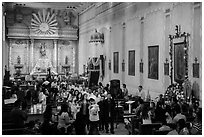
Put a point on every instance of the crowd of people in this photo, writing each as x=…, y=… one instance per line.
x=175, y=112
x=87, y=110
x=81, y=109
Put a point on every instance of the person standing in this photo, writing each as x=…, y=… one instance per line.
x=101, y=114
x=84, y=109
x=140, y=93
x=125, y=92
x=93, y=117
x=109, y=112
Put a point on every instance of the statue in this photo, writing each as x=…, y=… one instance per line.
x=42, y=50
x=66, y=60
x=18, y=60
x=69, y=18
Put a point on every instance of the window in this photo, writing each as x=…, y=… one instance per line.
x=131, y=63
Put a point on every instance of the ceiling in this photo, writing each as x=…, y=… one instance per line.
x=77, y=6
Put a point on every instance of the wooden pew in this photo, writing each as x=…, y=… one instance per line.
x=157, y=132
x=146, y=129
x=18, y=131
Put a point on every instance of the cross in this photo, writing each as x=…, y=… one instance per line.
x=166, y=60
x=196, y=59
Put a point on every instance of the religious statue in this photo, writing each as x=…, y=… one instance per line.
x=18, y=60
x=68, y=18
x=66, y=60
x=42, y=50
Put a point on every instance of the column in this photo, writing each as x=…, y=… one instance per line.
x=28, y=57
x=141, y=48
x=123, y=52
x=3, y=39
x=110, y=57
x=31, y=54
x=10, y=51
x=55, y=55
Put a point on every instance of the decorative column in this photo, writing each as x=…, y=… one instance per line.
x=31, y=54
x=10, y=51
x=110, y=57
x=55, y=55
x=141, y=49
x=28, y=56
x=123, y=53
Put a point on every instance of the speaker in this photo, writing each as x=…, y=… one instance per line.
x=115, y=88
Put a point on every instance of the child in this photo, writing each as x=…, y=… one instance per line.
x=93, y=117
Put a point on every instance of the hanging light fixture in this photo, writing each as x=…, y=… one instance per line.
x=97, y=37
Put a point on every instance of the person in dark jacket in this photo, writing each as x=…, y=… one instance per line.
x=109, y=113
x=101, y=114
x=18, y=116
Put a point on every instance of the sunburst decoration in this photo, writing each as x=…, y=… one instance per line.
x=44, y=22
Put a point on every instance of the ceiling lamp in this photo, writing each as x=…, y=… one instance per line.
x=97, y=37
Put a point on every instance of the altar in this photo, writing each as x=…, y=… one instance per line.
x=42, y=43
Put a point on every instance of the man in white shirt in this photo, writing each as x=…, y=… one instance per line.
x=140, y=93
x=93, y=117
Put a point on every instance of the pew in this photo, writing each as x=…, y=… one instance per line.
x=158, y=132
x=17, y=131
x=146, y=129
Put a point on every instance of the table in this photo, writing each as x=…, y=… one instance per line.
x=130, y=105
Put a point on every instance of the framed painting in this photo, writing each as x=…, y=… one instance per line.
x=115, y=62
x=131, y=63
x=179, y=62
x=153, y=62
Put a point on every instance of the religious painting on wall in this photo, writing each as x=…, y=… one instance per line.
x=179, y=62
x=115, y=62
x=131, y=63
x=153, y=62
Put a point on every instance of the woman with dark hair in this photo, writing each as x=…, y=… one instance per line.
x=47, y=126
x=182, y=128
x=79, y=96
x=152, y=111
x=159, y=113
x=84, y=110
x=28, y=98
x=64, y=119
x=146, y=118
x=139, y=107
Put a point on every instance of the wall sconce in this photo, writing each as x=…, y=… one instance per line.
x=166, y=67
x=141, y=66
x=123, y=65
x=196, y=68
x=84, y=67
x=109, y=64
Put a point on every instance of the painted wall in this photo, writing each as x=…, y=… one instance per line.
x=157, y=27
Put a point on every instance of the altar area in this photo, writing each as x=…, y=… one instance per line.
x=40, y=40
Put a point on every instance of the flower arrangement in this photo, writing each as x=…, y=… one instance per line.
x=175, y=90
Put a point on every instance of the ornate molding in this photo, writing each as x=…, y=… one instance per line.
x=44, y=23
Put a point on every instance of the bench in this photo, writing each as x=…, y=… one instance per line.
x=146, y=129
x=158, y=132
x=17, y=131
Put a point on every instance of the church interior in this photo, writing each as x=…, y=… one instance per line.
x=101, y=68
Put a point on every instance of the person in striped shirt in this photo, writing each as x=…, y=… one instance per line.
x=197, y=124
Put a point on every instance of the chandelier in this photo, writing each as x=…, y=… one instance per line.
x=97, y=37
